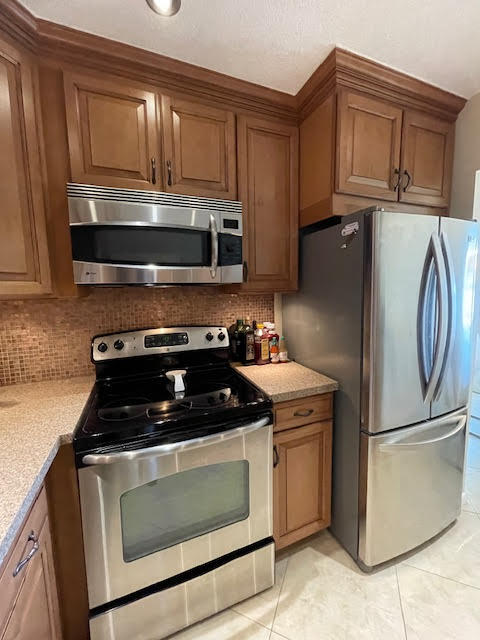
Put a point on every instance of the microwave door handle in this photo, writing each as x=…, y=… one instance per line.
x=214, y=239
x=175, y=447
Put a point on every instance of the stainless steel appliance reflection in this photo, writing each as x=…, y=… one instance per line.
x=386, y=306
x=175, y=487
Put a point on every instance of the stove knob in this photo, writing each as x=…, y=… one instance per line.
x=221, y=336
x=118, y=344
x=209, y=336
x=102, y=347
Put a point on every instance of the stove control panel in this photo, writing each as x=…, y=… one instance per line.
x=130, y=344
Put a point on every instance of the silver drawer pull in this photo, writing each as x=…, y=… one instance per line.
x=31, y=538
x=303, y=413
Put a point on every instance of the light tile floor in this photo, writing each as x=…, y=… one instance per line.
x=320, y=594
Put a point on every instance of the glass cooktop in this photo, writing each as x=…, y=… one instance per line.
x=146, y=407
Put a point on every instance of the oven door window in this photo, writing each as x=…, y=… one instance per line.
x=185, y=505
x=138, y=245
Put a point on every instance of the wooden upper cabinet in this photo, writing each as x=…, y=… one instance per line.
x=427, y=156
x=199, y=149
x=112, y=133
x=268, y=189
x=24, y=264
x=368, y=153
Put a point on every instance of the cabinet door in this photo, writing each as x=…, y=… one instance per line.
x=35, y=612
x=301, y=482
x=199, y=149
x=427, y=157
x=368, y=146
x=24, y=265
x=112, y=133
x=268, y=189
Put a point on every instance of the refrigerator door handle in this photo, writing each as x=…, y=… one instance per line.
x=445, y=436
x=426, y=319
x=452, y=308
x=442, y=331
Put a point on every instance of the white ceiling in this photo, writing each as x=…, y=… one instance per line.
x=279, y=43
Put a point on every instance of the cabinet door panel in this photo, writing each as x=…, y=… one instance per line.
x=35, y=613
x=24, y=267
x=268, y=188
x=199, y=149
x=112, y=133
x=427, y=156
x=368, y=151
x=302, y=482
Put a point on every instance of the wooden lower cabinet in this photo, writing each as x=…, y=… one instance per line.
x=29, y=603
x=301, y=481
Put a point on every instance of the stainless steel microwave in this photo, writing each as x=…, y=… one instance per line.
x=129, y=237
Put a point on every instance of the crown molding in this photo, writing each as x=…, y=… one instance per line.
x=18, y=23
x=343, y=68
x=64, y=45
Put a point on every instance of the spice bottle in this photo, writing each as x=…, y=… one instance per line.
x=247, y=339
x=274, y=353
x=283, y=353
x=235, y=339
x=270, y=328
x=262, y=354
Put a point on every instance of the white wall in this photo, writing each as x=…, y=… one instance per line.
x=466, y=159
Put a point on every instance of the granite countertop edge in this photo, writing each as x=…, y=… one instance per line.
x=19, y=520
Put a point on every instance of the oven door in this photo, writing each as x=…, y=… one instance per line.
x=150, y=514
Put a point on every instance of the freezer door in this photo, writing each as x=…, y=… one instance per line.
x=411, y=486
x=459, y=246
x=394, y=389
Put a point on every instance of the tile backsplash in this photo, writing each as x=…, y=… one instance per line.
x=50, y=339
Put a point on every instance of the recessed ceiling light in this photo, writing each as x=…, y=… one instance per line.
x=165, y=7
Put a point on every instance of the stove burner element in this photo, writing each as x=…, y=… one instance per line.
x=142, y=407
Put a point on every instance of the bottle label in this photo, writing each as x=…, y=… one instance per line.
x=250, y=347
x=264, y=350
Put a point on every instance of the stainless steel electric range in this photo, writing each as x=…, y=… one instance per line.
x=174, y=458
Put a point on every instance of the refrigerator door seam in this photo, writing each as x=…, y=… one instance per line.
x=452, y=311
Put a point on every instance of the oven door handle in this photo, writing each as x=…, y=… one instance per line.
x=175, y=447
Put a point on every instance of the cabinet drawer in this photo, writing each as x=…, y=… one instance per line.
x=294, y=413
x=10, y=585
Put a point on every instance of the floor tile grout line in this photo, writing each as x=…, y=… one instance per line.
x=232, y=608
x=280, y=593
x=439, y=575
x=244, y=615
x=401, y=605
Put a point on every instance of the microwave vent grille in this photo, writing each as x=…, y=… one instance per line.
x=94, y=192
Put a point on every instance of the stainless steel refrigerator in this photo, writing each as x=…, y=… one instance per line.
x=386, y=306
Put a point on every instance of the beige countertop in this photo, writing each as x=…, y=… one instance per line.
x=287, y=380
x=35, y=419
